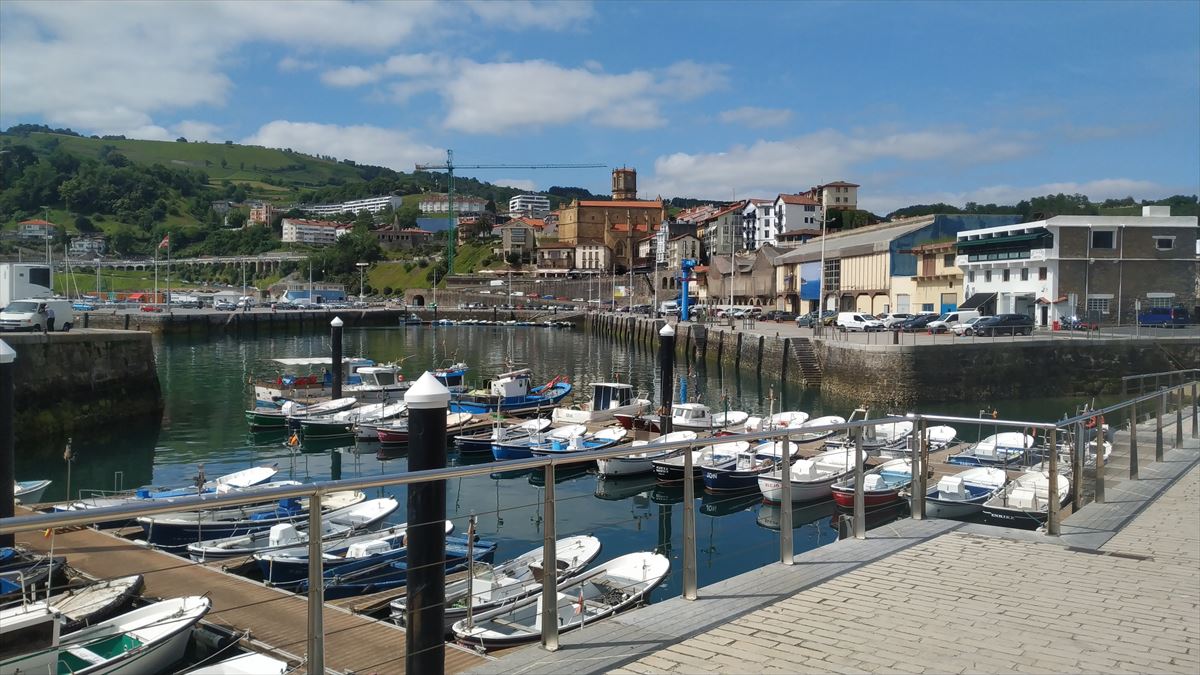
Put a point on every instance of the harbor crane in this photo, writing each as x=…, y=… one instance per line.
x=449, y=168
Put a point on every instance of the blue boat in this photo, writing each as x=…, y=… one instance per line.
x=484, y=440
x=371, y=575
x=521, y=448
x=742, y=474
x=598, y=441
x=964, y=493
x=287, y=567
x=1003, y=449
x=511, y=393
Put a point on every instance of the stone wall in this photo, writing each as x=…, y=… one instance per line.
x=66, y=383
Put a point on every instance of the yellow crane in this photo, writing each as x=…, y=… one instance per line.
x=449, y=168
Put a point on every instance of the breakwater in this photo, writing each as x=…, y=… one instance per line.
x=82, y=381
x=909, y=374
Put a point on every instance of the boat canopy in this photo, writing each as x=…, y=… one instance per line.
x=607, y=395
x=318, y=361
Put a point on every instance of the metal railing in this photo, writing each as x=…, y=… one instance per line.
x=549, y=589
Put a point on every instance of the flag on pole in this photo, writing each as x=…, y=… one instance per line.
x=166, y=241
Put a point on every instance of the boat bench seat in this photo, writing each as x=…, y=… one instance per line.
x=1023, y=498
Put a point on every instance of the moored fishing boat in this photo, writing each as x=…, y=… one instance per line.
x=641, y=459
x=1003, y=449
x=780, y=420
x=484, y=440
x=809, y=436
x=698, y=417
x=522, y=447
x=277, y=417
x=30, y=491
x=611, y=587
x=396, y=433
x=881, y=485
x=671, y=470
x=963, y=494
x=341, y=424
x=492, y=586
x=608, y=399
x=250, y=663
x=83, y=606
x=811, y=479
x=335, y=524
x=511, y=393
x=22, y=572
x=598, y=440
x=742, y=475
x=1025, y=501
x=373, y=576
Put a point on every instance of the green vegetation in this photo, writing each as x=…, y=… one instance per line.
x=1058, y=205
x=400, y=275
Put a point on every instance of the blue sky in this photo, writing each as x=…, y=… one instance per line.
x=917, y=102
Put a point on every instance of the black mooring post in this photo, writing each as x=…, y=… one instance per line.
x=336, y=355
x=666, y=366
x=7, y=460
x=425, y=611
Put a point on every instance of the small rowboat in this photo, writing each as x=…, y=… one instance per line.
x=484, y=440
x=30, y=491
x=86, y=605
x=811, y=479
x=397, y=432
x=642, y=459
x=1025, y=502
x=276, y=417
x=670, y=469
x=523, y=447
x=881, y=485
x=964, y=493
x=598, y=441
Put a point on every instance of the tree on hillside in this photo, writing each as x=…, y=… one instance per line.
x=406, y=216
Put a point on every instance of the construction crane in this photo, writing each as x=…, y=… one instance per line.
x=449, y=168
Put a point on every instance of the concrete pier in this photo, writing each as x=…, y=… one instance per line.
x=1116, y=592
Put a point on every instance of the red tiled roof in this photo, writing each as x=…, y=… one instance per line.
x=634, y=204
x=799, y=200
x=416, y=230
x=36, y=222
x=319, y=223
x=839, y=183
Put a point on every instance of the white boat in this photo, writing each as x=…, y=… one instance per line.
x=810, y=436
x=334, y=524
x=878, y=436
x=367, y=428
x=812, y=479
x=937, y=438
x=1009, y=447
x=781, y=420
x=30, y=491
x=670, y=469
x=247, y=482
x=493, y=586
x=698, y=416
x=86, y=605
x=604, y=438
x=608, y=400
x=642, y=459
x=1024, y=502
x=250, y=663
x=616, y=585
x=963, y=494
x=151, y=639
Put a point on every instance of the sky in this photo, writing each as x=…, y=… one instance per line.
x=916, y=102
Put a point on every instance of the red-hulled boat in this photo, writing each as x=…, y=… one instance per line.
x=881, y=485
x=397, y=434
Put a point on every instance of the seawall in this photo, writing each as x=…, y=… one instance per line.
x=69, y=383
x=907, y=375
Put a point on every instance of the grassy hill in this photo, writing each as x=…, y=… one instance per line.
x=400, y=275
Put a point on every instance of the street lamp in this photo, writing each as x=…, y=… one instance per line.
x=362, y=266
x=819, y=326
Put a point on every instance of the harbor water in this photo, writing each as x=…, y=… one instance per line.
x=206, y=386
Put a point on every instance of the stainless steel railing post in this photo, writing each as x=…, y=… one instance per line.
x=1099, y=487
x=316, y=588
x=1195, y=410
x=1078, y=456
x=1053, y=503
x=860, y=503
x=787, y=551
x=689, y=526
x=1179, y=417
x=1158, y=424
x=918, y=469
x=1133, y=441
x=549, y=567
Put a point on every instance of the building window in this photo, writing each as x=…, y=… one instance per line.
x=927, y=307
x=1024, y=274
x=948, y=260
x=987, y=275
x=971, y=276
x=1164, y=243
x=1160, y=300
x=1097, y=305
x=1041, y=274
x=1104, y=239
x=1005, y=273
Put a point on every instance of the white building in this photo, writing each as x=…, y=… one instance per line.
x=87, y=246
x=594, y=256
x=463, y=205
x=534, y=206
x=316, y=232
x=370, y=205
x=796, y=212
x=758, y=223
x=35, y=229
x=836, y=195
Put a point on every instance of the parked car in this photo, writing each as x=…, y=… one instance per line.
x=889, y=318
x=943, y=323
x=1165, y=317
x=1076, y=323
x=966, y=327
x=151, y=308
x=1004, y=324
x=858, y=321
x=224, y=306
x=914, y=324
x=24, y=315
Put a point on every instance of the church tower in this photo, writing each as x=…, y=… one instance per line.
x=624, y=184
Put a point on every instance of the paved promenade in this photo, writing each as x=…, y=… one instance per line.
x=1119, y=592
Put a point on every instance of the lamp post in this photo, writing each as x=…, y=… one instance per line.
x=819, y=326
x=362, y=266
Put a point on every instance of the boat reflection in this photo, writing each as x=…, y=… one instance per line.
x=667, y=494
x=615, y=489
x=802, y=514
x=327, y=443
x=718, y=505
x=562, y=474
x=881, y=515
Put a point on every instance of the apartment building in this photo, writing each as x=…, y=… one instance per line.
x=758, y=223
x=261, y=213
x=533, y=206
x=314, y=232
x=370, y=205
x=463, y=205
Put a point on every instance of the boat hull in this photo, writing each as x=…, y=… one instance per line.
x=945, y=508
x=803, y=491
x=674, y=473
x=845, y=497
x=733, y=480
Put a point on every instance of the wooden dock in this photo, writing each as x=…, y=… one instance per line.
x=270, y=617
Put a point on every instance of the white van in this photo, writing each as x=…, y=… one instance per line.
x=947, y=320
x=23, y=314
x=847, y=321
x=668, y=307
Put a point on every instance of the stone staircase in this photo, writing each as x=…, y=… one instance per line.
x=806, y=358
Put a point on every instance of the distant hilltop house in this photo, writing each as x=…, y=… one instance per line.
x=534, y=206
x=87, y=245
x=315, y=232
x=403, y=238
x=261, y=213
x=463, y=204
x=369, y=204
x=35, y=229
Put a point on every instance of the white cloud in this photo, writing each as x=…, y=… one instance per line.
x=769, y=167
x=292, y=64
x=1096, y=190
x=518, y=183
x=349, y=76
x=688, y=80
x=520, y=14
x=364, y=144
x=756, y=118
x=198, y=131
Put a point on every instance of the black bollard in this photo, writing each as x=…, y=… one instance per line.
x=336, y=355
x=666, y=367
x=7, y=461
x=427, y=401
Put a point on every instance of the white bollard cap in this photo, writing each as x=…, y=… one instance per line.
x=337, y=322
x=666, y=331
x=427, y=393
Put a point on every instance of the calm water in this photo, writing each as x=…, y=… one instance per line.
x=205, y=384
